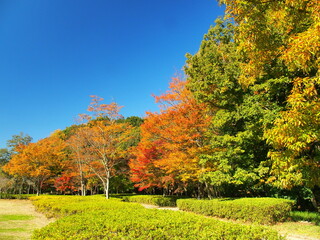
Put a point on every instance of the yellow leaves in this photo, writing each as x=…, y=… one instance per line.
x=271, y=30
x=295, y=135
x=303, y=50
x=38, y=160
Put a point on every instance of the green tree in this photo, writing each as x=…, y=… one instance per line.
x=213, y=78
x=4, y=156
x=283, y=38
x=17, y=140
x=241, y=113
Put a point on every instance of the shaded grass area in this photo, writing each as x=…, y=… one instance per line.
x=301, y=223
x=313, y=217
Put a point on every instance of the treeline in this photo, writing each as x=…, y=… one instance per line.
x=245, y=121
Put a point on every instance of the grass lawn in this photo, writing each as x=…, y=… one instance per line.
x=18, y=219
x=15, y=226
x=306, y=229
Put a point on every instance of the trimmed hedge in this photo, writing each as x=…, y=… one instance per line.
x=258, y=210
x=158, y=200
x=61, y=206
x=112, y=219
x=15, y=196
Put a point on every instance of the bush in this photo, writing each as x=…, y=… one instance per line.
x=97, y=218
x=158, y=200
x=60, y=206
x=258, y=210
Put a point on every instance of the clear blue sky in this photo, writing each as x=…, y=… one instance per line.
x=54, y=54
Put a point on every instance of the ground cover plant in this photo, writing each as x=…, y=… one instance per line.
x=158, y=200
x=258, y=210
x=97, y=218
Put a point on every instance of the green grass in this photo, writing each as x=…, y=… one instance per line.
x=11, y=230
x=12, y=226
x=313, y=217
x=4, y=218
x=298, y=228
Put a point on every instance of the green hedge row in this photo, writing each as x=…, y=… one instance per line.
x=112, y=219
x=15, y=196
x=258, y=210
x=61, y=206
x=158, y=200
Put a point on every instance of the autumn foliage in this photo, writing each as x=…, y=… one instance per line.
x=39, y=162
x=245, y=122
x=172, y=140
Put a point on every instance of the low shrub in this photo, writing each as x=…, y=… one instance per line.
x=158, y=200
x=98, y=218
x=258, y=210
x=60, y=206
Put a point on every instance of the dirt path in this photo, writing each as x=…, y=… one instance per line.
x=20, y=229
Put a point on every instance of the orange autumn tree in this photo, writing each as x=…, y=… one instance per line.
x=102, y=140
x=38, y=162
x=172, y=141
x=78, y=168
x=143, y=170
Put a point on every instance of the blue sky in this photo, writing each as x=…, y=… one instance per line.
x=54, y=54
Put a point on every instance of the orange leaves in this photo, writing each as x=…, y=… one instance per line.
x=143, y=170
x=176, y=136
x=100, y=144
x=38, y=161
x=104, y=110
x=176, y=94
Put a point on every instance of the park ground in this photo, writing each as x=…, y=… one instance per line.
x=18, y=219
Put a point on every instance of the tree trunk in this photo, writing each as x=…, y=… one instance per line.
x=208, y=188
x=83, y=189
x=316, y=197
x=107, y=185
